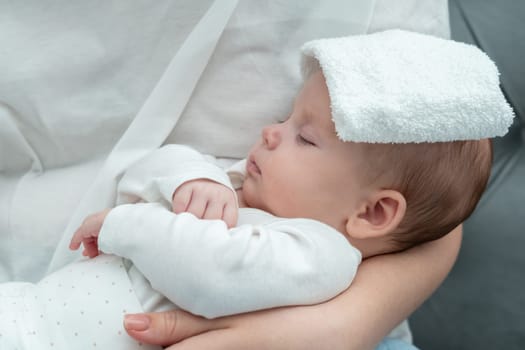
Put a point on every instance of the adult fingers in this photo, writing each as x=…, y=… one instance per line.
x=222, y=339
x=166, y=328
x=302, y=328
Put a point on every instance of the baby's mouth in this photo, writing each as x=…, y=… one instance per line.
x=252, y=167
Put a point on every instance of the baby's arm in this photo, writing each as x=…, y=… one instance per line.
x=156, y=177
x=211, y=270
x=206, y=199
x=179, y=177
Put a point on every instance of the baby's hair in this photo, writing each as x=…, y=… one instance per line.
x=441, y=182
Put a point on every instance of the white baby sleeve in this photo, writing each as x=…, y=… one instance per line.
x=155, y=177
x=210, y=270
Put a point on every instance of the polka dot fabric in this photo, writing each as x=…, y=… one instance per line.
x=78, y=307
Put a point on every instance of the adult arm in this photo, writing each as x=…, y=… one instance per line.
x=386, y=290
x=210, y=270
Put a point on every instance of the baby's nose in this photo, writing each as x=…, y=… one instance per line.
x=271, y=136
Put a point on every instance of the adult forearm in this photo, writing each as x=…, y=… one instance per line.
x=387, y=289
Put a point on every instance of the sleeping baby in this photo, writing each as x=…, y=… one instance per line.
x=288, y=225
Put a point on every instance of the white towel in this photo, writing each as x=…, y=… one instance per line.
x=398, y=87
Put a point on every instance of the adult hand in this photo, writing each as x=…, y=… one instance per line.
x=257, y=330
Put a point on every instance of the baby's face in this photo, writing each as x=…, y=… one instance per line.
x=300, y=168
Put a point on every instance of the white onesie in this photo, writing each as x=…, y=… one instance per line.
x=156, y=260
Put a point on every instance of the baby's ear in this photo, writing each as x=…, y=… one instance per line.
x=377, y=216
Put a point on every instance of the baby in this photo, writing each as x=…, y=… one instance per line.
x=287, y=226
x=310, y=207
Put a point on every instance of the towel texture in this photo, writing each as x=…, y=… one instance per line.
x=399, y=87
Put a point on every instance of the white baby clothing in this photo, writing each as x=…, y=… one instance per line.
x=81, y=306
x=200, y=265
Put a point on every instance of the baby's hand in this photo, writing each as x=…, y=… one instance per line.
x=88, y=232
x=206, y=199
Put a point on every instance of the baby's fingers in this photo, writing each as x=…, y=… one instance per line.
x=80, y=234
x=230, y=214
x=197, y=205
x=181, y=199
x=90, y=229
x=213, y=211
x=90, y=247
x=75, y=243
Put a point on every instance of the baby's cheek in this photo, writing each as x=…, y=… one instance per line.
x=286, y=201
x=251, y=196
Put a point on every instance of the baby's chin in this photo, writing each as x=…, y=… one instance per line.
x=253, y=199
x=248, y=196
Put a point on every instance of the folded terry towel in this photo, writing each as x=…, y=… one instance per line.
x=398, y=86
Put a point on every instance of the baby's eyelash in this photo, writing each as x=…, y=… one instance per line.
x=304, y=141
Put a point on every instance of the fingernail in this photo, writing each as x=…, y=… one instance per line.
x=136, y=322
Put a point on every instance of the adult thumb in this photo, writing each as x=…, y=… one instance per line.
x=165, y=328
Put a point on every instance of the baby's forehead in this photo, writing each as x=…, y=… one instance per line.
x=314, y=103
